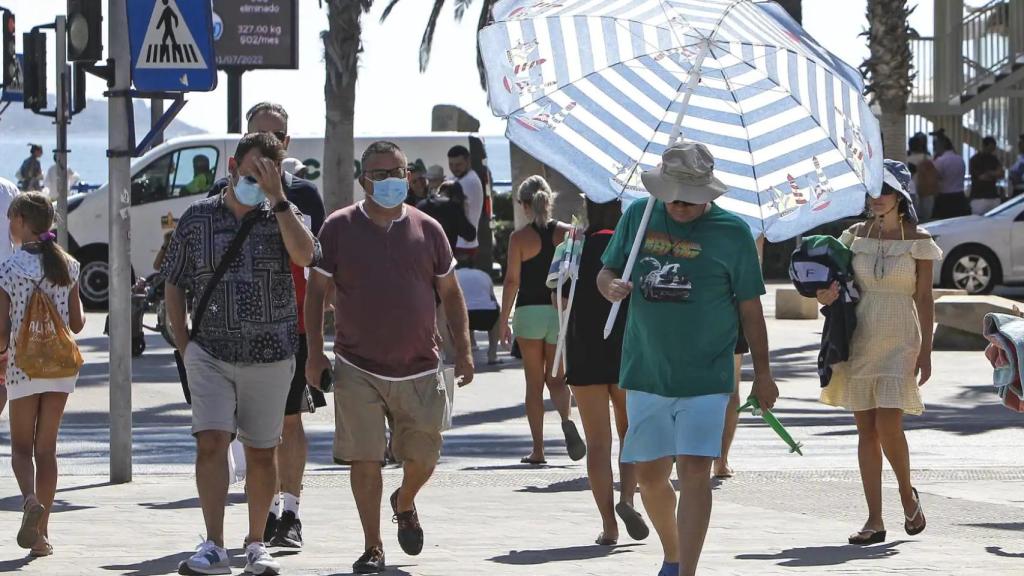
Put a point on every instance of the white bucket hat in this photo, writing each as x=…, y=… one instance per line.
x=686, y=174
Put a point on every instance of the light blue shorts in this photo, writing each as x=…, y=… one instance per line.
x=660, y=426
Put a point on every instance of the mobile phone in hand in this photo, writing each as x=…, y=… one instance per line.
x=326, y=381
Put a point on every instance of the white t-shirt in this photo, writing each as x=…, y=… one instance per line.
x=477, y=289
x=7, y=193
x=50, y=182
x=474, y=190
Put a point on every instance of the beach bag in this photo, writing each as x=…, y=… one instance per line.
x=45, y=347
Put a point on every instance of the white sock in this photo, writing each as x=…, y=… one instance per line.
x=275, y=508
x=291, y=504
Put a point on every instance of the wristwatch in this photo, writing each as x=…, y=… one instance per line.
x=282, y=206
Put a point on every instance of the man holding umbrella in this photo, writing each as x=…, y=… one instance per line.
x=697, y=266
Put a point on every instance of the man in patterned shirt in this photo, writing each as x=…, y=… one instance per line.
x=243, y=356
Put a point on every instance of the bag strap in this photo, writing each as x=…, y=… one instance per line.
x=229, y=256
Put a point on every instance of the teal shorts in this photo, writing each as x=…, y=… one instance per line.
x=536, y=323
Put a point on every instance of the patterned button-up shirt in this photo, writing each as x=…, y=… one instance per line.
x=252, y=317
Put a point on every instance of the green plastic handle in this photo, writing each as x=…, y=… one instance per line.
x=771, y=420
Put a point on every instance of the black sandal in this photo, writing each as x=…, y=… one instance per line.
x=907, y=525
x=867, y=537
x=635, y=525
x=604, y=541
x=532, y=462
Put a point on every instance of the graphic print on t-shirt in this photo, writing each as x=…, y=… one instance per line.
x=660, y=244
x=663, y=282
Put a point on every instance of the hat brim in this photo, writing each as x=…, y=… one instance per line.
x=894, y=182
x=668, y=190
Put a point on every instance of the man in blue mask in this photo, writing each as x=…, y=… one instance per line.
x=240, y=354
x=386, y=260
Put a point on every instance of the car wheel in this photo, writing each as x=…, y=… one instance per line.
x=972, y=268
x=94, y=278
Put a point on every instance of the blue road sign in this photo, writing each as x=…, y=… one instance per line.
x=15, y=92
x=172, y=49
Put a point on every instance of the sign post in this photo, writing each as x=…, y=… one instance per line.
x=119, y=204
x=61, y=153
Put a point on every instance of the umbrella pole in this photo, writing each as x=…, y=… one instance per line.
x=691, y=85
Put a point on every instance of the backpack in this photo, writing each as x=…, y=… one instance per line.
x=45, y=347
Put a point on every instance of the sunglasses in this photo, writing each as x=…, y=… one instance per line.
x=682, y=203
x=888, y=191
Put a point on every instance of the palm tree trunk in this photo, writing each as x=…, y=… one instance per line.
x=893, y=123
x=342, y=47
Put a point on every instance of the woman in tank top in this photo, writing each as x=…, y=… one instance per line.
x=535, y=324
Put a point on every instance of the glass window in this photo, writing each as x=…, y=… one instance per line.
x=195, y=173
x=181, y=173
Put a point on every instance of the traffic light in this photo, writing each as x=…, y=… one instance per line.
x=85, y=30
x=34, y=73
x=10, y=60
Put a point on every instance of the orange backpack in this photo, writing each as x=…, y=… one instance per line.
x=45, y=347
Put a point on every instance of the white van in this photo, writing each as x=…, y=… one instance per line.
x=164, y=183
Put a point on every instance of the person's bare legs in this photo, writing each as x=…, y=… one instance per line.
x=367, y=487
x=627, y=471
x=869, y=458
x=557, y=388
x=889, y=423
x=3, y=398
x=24, y=413
x=291, y=457
x=732, y=420
x=260, y=486
x=659, y=499
x=592, y=402
x=414, y=477
x=533, y=365
x=212, y=480
x=51, y=411
x=694, y=512
x=492, y=344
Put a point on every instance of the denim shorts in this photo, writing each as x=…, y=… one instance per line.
x=660, y=426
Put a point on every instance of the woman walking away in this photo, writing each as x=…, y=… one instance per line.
x=593, y=372
x=530, y=251
x=890, y=354
x=45, y=276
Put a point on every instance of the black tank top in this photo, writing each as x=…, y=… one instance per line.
x=533, y=274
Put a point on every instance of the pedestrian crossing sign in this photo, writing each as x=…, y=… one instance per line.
x=172, y=45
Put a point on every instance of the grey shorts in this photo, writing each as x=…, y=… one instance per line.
x=246, y=400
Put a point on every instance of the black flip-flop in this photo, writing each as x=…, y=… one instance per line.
x=531, y=462
x=574, y=445
x=604, y=541
x=867, y=537
x=635, y=525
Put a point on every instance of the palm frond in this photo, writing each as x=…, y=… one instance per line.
x=428, y=35
x=387, y=9
x=460, y=8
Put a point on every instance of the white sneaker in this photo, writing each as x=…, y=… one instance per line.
x=208, y=559
x=259, y=562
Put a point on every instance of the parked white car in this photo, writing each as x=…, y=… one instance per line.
x=981, y=252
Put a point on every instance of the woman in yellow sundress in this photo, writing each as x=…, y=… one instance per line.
x=890, y=354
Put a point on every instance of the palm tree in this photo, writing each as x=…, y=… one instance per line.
x=342, y=46
x=889, y=70
x=461, y=6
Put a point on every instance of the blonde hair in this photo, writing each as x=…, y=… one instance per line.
x=535, y=192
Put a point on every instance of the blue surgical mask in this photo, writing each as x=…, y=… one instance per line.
x=248, y=192
x=390, y=192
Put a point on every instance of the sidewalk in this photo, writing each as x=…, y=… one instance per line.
x=539, y=523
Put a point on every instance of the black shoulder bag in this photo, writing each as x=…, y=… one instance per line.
x=230, y=256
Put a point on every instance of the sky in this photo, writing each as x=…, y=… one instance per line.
x=392, y=96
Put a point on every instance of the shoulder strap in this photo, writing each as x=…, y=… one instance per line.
x=229, y=256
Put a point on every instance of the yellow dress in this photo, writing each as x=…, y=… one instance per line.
x=886, y=343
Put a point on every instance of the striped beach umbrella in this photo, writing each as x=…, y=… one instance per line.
x=597, y=89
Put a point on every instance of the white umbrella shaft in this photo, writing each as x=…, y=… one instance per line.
x=676, y=133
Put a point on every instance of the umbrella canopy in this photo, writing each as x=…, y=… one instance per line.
x=596, y=88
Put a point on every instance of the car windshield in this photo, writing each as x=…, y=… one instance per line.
x=1005, y=206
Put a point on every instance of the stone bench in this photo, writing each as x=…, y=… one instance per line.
x=959, y=320
x=790, y=305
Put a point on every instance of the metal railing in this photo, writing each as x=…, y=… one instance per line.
x=923, y=50
x=986, y=42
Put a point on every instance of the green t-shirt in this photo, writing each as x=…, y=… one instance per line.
x=683, y=316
